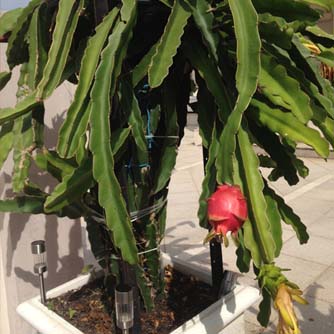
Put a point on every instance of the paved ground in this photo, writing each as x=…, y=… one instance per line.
x=312, y=264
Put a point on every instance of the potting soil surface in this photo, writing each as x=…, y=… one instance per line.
x=88, y=309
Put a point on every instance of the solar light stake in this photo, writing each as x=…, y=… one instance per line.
x=124, y=308
x=39, y=254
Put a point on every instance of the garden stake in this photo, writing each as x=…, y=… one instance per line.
x=101, y=8
x=216, y=255
x=216, y=265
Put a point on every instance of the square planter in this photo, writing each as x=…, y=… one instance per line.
x=224, y=316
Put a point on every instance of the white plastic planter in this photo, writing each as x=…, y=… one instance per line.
x=224, y=316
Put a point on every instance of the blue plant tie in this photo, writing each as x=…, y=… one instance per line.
x=130, y=165
x=145, y=89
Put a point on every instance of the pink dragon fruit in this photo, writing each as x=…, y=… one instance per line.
x=227, y=211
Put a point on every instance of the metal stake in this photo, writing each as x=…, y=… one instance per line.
x=42, y=289
x=216, y=255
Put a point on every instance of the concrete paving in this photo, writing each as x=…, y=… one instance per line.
x=312, y=264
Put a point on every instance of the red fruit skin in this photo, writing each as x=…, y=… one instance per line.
x=227, y=209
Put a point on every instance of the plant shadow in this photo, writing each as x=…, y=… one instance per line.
x=318, y=315
x=19, y=230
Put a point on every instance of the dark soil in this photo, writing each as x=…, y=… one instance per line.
x=87, y=308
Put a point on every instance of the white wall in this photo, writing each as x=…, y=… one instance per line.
x=63, y=236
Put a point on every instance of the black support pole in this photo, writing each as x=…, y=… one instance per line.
x=216, y=255
x=101, y=9
x=216, y=266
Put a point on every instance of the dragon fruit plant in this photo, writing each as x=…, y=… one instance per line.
x=258, y=81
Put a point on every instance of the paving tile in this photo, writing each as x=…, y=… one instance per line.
x=306, y=203
x=325, y=191
x=317, y=168
x=182, y=187
x=182, y=237
x=181, y=176
x=323, y=287
x=323, y=227
x=316, y=171
x=193, y=156
x=251, y=319
x=183, y=198
x=319, y=250
x=326, y=166
x=330, y=213
x=312, y=189
x=181, y=211
x=181, y=226
x=197, y=175
x=302, y=272
x=251, y=328
x=283, y=187
x=288, y=232
x=317, y=317
x=310, y=209
x=185, y=228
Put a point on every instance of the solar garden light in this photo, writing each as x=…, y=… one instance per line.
x=39, y=254
x=124, y=307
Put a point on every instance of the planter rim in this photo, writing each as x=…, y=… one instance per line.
x=211, y=320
